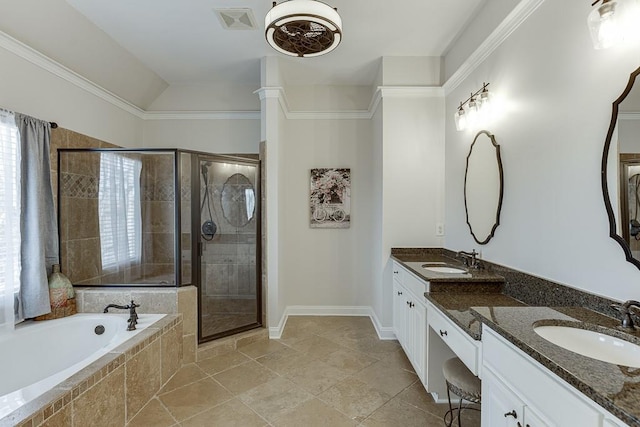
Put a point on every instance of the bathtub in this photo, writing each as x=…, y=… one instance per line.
x=37, y=356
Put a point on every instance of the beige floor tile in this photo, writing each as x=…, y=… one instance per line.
x=153, y=414
x=397, y=358
x=222, y=362
x=282, y=361
x=186, y=375
x=272, y=399
x=398, y=413
x=316, y=376
x=316, y=345
x=244, y=377
x=417, y=396
x=230, y=414
x=260, y=348
x=376, y=347
x=350, y=361
x=189, y=400
x=354, y=398
x=349, y=338
x=313, y=413
x=386, y=378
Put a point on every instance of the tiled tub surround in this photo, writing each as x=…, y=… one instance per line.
x=113, y=389
x=182, y=300
x=525, y=301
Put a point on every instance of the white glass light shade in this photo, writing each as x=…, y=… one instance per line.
x=310, y=12
x=460, y=118
x=606, y=24
x=473, y=114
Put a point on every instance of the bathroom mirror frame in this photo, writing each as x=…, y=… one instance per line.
x=605, y=187
x=501, y=191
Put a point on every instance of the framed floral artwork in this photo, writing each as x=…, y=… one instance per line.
x=330, y=198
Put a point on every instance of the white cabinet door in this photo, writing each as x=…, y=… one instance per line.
x=417, y=325
x=533, y=419
x=399, y=312
x=500, y=405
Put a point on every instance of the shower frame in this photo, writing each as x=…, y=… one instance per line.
x=196, y=242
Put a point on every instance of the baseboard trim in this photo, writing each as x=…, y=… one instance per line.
x=384, y=332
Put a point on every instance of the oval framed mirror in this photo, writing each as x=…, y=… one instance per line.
x=620, y=166
x=238, y=199
x=483, y=187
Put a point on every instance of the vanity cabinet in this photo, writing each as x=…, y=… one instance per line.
x=518, y=391
x=410, y=318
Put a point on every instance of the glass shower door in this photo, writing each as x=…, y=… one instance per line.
x=229, y=246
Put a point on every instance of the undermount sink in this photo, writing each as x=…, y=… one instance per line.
x=443, y=268
x=595, y=345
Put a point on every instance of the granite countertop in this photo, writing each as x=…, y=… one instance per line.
x=414, y=262
x=615, y=388
x=470, y=300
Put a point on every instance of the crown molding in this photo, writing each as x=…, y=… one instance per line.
x=37, y=58
x=40, y=60
x=518, y=15
x=201, y=115
x=410, y=91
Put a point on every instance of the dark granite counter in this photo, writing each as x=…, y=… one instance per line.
x=615, y=388
x=470, y=300
x=414, y=258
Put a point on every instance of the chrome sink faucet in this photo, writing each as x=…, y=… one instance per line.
x=133, y=316
x=470, y=259
x=626, y=321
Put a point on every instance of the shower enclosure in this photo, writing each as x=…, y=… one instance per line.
x=125, y=214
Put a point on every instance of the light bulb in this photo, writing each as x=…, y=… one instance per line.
x=605, y=24
x=460, y=119
x=473, y=113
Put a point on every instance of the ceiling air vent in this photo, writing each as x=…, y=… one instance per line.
x=236, y=19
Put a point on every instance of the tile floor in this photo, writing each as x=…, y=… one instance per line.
x=325, y=371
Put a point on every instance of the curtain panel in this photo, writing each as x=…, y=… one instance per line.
x=38, y=224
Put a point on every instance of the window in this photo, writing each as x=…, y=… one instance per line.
x=9, y=215
x=119, y=210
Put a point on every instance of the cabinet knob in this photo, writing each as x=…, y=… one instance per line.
x=399, y=293
x=513, y=414
x=444, y=333
x=411, y=304
x=395, y=272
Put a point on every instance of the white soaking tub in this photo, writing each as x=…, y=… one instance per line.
x=37, y=356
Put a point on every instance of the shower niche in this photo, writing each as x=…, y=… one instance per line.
x=166, y=217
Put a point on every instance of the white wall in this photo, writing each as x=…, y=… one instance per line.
x=558, y=91
x=29, y=89
x=329, y=267
x=209, y=135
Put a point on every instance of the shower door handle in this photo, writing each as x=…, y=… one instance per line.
x=200, y=249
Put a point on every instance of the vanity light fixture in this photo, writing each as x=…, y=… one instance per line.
x=303, y=28
x=478, y=109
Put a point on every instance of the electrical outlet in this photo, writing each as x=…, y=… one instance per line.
x=439, y=229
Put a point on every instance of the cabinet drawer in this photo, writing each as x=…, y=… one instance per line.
x=416, y=286
x=546, y=393
x=465, y=347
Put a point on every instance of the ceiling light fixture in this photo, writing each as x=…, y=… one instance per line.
x=478, y=111
x=303, y=28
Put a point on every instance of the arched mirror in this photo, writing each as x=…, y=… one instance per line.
x=238, y=200
x=620, y=171
x=483, y=182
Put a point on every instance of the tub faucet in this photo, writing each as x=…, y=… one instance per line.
x=470, y=259
x=133, y=316
x=627, y=321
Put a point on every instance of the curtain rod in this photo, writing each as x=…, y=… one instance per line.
x=54, y=125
